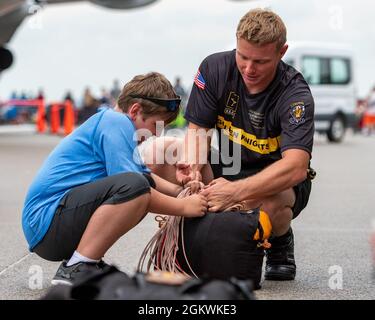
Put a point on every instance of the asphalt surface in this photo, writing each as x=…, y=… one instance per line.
x=332, y=234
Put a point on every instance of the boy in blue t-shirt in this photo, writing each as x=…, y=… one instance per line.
x=93, y=187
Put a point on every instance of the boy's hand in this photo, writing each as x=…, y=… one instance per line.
x=194, y=206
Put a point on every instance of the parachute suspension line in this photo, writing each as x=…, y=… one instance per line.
x=162, y=249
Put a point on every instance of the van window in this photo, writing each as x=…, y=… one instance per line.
x=319, y=70
x=311, y=70
x=340, y=71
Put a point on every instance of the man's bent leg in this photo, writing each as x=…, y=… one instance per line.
x=279, y=208
x=280, y=264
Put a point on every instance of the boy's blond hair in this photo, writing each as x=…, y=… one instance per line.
x=262, y=26
x=154, y=85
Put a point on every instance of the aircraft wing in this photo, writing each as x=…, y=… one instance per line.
x=114, y=4
x=13, y=12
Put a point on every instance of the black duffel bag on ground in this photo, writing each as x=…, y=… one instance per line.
x=222, y=245
x=112, y=284
x=218, y=245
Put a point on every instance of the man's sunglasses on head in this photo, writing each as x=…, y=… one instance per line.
x=170, y=104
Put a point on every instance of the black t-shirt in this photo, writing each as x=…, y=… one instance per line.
x=261, y=125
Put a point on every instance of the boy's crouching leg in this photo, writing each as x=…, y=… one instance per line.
x=115, y=218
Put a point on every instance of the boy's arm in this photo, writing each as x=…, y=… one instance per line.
x=192, y=206
x=165, y=186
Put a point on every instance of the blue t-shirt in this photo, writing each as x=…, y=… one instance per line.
x=104, y=145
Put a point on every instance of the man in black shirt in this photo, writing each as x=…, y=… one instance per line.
x=264, y=110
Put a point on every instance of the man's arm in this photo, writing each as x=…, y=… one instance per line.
x=281, y=175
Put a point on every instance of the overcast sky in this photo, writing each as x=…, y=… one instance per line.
x=71, y=46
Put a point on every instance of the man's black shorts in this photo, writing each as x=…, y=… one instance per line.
x=78, y=205
x=301, y=190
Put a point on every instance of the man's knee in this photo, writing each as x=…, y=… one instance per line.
x=280, y=204
x=275, y=212
x=279, y=208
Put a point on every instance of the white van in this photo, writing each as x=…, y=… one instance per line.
x=328, y=69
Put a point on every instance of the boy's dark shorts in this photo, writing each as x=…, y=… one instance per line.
x=78, y=205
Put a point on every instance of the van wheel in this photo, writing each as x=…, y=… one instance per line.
x=336, y=130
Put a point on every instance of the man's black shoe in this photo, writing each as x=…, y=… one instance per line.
x=280, y=264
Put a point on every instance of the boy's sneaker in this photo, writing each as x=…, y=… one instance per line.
x=280, y=264
x=68, y=275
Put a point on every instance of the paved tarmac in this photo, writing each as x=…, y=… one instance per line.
x=332, y=235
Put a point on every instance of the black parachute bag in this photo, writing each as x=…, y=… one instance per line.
x=112, y=284
x=224, y=244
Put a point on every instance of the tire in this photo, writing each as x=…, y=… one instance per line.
x=337, y=128
x=6, y=58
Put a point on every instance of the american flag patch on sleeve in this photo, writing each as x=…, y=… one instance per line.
x=199, y=81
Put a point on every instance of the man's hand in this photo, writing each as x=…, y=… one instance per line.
x=220, y=194
x=195, y=186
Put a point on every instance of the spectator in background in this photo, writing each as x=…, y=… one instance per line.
x=32, y=112
x=89, y=106
x=369, y=117
x=105, y=97
x=23, y=96
x=21, y=110
x=69, y=97
x=88, y=99
x=359, y=113
x=40, y=94
x=115, y=92
x=10, y=113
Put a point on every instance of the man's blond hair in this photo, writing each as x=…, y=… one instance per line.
x=262, y=26
x=154, y=85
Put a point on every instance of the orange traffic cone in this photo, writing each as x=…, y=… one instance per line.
x=68, y=118
x=55, y=118
x=41, y=117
